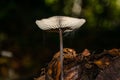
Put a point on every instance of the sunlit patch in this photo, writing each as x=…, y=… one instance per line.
x=118, y=3
x=49, y=2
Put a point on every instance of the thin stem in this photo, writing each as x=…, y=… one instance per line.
x=61, y=52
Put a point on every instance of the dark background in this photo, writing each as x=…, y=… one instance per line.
x=33, y=48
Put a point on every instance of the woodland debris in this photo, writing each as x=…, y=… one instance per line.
x=84, y=66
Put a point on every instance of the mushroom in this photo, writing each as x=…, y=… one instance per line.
x=60, y=24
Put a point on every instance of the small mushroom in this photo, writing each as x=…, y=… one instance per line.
x=60, y=24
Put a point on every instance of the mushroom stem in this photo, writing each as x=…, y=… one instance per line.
x=61, y=52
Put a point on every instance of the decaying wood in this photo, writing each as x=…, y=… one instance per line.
x=112, y=72
x=84, y=65
x=54, y=66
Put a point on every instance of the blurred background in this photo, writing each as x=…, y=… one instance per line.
x=25, y=49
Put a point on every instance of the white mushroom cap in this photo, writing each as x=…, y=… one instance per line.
x=63, y=22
